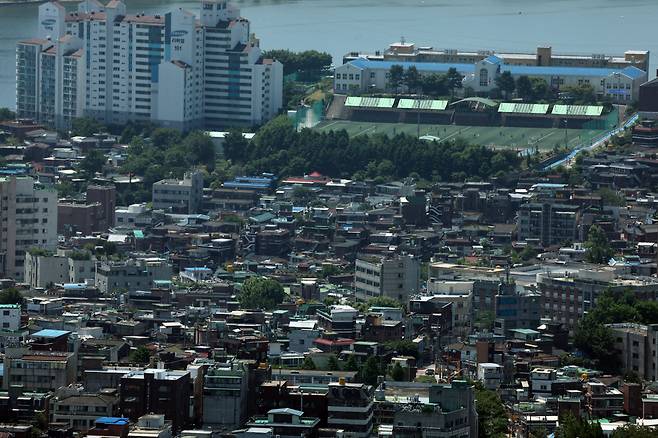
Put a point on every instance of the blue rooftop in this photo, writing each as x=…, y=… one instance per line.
x=519, y=70
x=421, y=66
x=75, y=286
x=112, y=420
x=193, y=269
x=49, y=333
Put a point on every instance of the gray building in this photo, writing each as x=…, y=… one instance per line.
x=179, y=195
x=397, y=277
x=548, y=224
x=132, y=275
x=225, y=394
x=39, y=371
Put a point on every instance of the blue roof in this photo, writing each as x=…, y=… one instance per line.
x=112, y=420
x=421, y=66
x=197, y=269
x=49, y=333
x=75, y=286
x=518, y=70
x=532, y=70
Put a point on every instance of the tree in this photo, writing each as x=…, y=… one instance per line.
x=7, y=114
x=86, y=126
x=395, y=77
x=11, y=295
x=540, y=89
x=492, y=419
x=141, y=355
x=235, y=146
x=332, y=363
x=524, y=88
x=506, y=83
x=370, y=371
x=397, y=372
x=581, y=94
x=351, y=364
x=261, y=293
x=200, y=148
x=412, y=79
x=403, y=347
x=434, y=84
x=93, y=162
x=634, y=431
x=453, y=80
x=597, y=246
x=572, y=427
x=308, y=65
x=308, y=363
x=384, y=301
x=610, y=197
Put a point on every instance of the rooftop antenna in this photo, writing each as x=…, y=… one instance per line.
x=402, y=39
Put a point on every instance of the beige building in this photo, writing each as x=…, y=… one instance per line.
x=397, y=277
x=39, y=371
x=71, y=405
x=28, y=220
x=543, y=56
x=636, y=347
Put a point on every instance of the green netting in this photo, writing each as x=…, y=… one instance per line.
x=309, y=116
x=577, y=110
x=369, y=102
x=609, y=121
x=523, y=108
x=423, y=104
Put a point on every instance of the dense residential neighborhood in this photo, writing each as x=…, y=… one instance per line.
x=203, y=239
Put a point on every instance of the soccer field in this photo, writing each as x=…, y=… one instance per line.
x=492, y=136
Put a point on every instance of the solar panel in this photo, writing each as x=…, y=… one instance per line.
x=423, y=104
x=578, y=110
x=369, y=102
x=523, y=108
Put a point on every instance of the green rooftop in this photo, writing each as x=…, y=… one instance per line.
x=423, y=104
x=578, y=110
x=523, y=108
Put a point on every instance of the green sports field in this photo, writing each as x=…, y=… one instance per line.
x=495, y=137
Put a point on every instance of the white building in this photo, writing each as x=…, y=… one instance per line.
x=460, y=294
x=490, y=374
x=10, y=317
x=396, y=278
x=174, y=69
x=619, y=84
x=179, y=195
x=44, y=269
x=132, y=275
x=29, y=220
x=133, y=216
x=302, y=334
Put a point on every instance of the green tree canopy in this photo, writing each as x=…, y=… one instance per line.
x=93, y=162
x=598, y=249
x=86, y=126
x=412, y=79
x=492, y=418
x=397, y=372
x=384, y=301
x=7, y=114
x=572, y=427
x=453, y=80
x=141, y=355
x=395, y=77
x=308, y=64
x=308, y=363
x=403, y=347
x=261, y=293
x=524, y=88
x=11, y=295
x=332, y=363
x=370, y=370
x=505, y=81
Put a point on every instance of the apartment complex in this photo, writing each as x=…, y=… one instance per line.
x=225, y=393
x=173, y=69
x=350, y=407
x=397, y=277
x=636, y=347
x=29, y=220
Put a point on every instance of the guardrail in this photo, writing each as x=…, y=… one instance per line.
x=595, y=142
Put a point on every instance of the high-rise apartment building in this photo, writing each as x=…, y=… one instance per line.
x=28, y=219
x=175, y=69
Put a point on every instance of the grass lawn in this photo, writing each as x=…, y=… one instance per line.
x=495, y=137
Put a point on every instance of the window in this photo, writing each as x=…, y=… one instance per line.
x=484, y=77
x=372, y=75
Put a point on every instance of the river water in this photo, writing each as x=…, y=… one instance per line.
x=340, y=26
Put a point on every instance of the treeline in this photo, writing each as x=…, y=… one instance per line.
x=308, y=65
x=278, y=148
x=596, y=340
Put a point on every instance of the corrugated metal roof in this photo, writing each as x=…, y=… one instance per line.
x=421, y=66
x=50, y=333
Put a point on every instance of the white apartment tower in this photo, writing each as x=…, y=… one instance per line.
x=28, y=219
x=175, y=69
